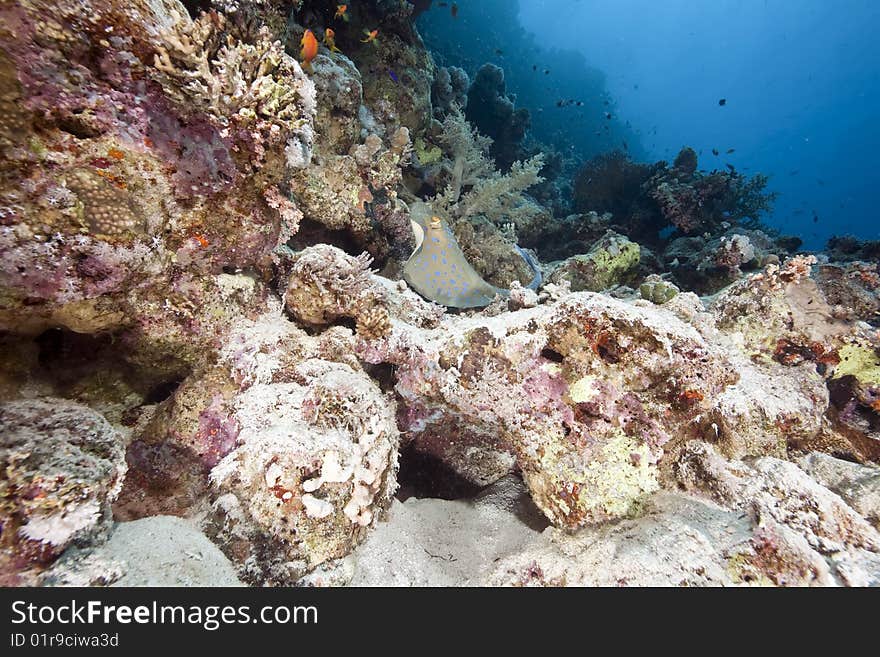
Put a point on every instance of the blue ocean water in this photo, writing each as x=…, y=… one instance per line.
x=800, y=80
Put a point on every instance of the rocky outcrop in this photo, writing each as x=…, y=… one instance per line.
x=63, y=465
x=192, y=327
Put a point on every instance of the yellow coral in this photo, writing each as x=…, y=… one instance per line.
x=859, y=361
x=619, y=481
x=583, y=389
x=427, y=154
x=613, y=484
x=374, y=323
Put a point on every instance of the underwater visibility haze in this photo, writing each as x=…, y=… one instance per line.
x=395, y=292
x=801, y=81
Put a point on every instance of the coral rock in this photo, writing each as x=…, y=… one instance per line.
x=656, y=290
x=858, y=485
x=611, y=261
x=580, y=391
x=805, y=534
x=326, y=284
x=63, y=466
x=316, y=463
x=768, y=410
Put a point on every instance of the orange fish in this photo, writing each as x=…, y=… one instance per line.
x=309, y=49
x=330, y=40
x=340, y=12
x=371, y=36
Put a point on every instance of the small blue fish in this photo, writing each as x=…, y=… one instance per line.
x=392, y=75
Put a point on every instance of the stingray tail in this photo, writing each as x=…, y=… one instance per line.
x=536, y=281
x=530, y=261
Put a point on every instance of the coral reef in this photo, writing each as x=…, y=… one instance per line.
x=645, y=199
x=207, y=331
x=708, y=265
x=494, y=113
x=845, y=249
x=142, y=169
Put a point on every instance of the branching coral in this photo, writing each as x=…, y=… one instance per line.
x=704, y=202
x=610, y=182
x=255, y=87
x=469, y=152
x=679, y=205
x=499, y=197
x=477, y=187
x=481, y=201
x=792, y=271
x=169, y=179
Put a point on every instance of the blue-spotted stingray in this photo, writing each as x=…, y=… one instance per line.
x=438, y=270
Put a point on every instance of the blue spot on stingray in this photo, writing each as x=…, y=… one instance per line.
x=435, y=239
x=437, y=273
x=452, y=280
x=444, y=261
x=434, y=257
